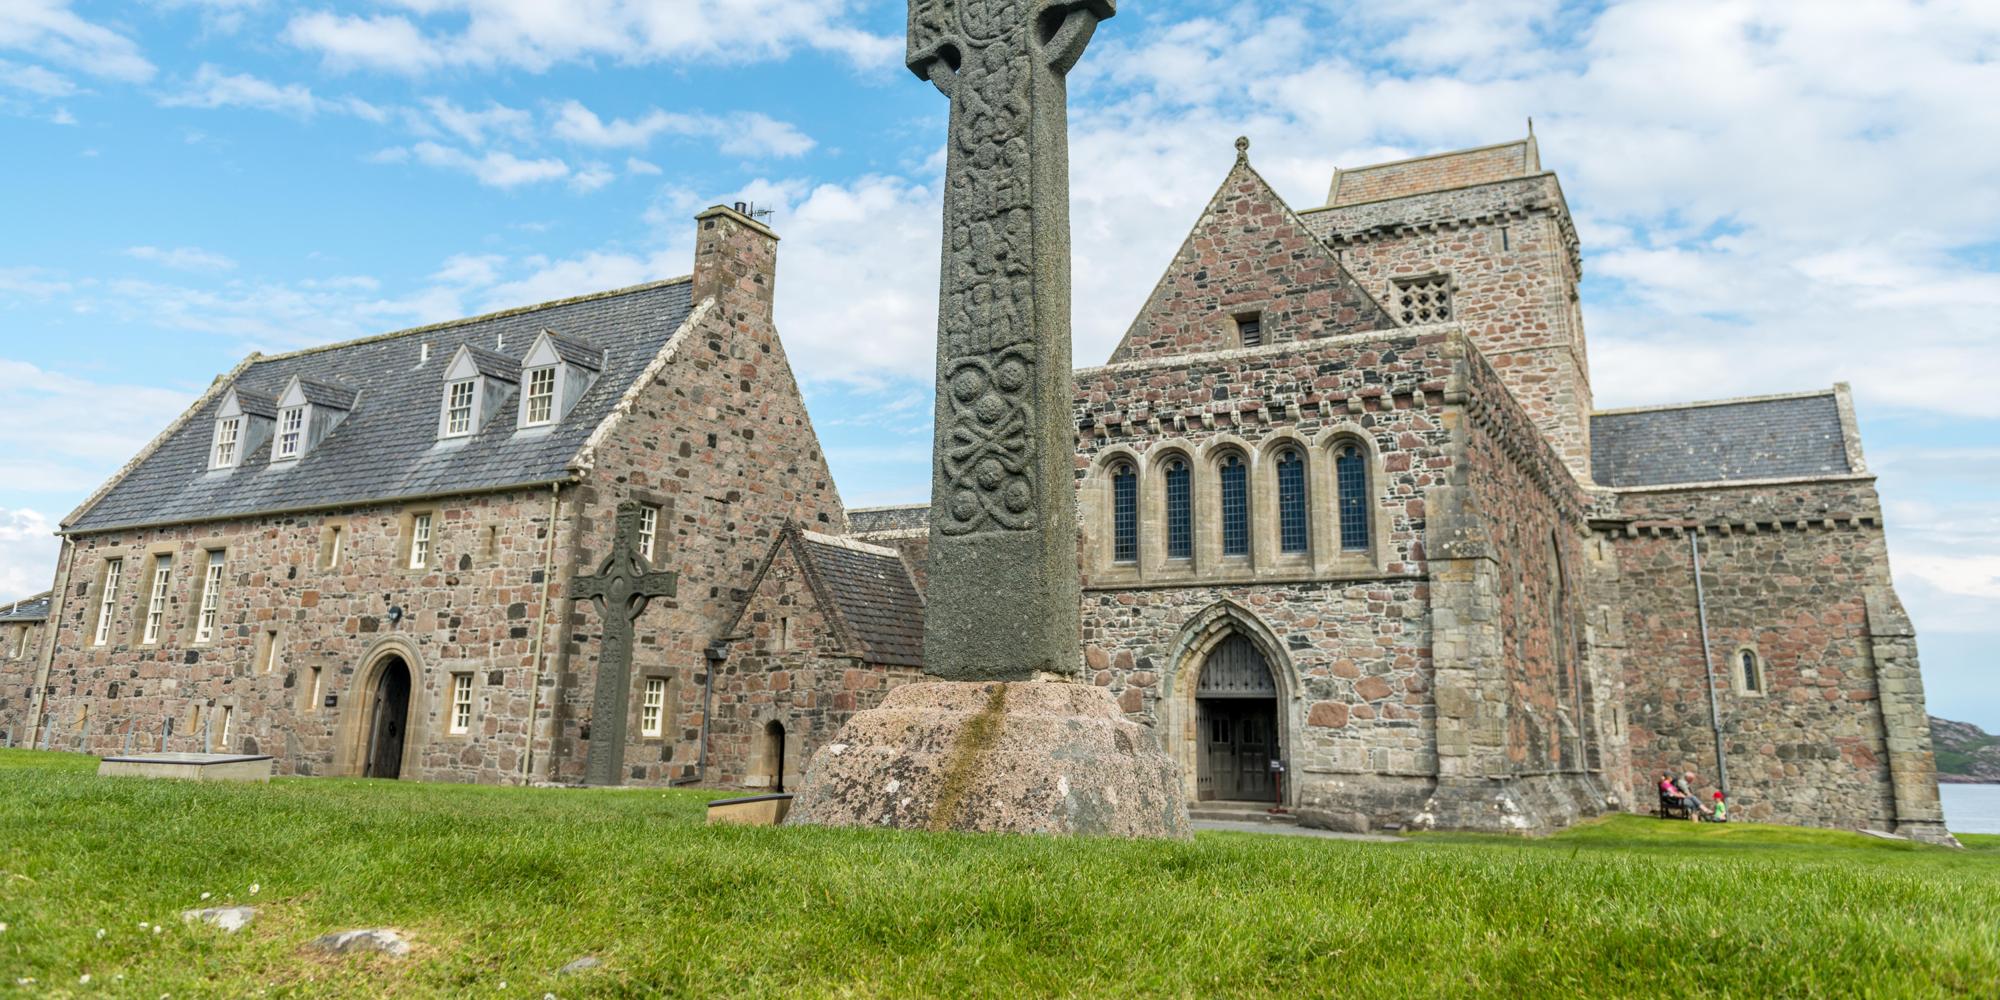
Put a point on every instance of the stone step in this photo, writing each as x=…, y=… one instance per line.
x=1238, y=812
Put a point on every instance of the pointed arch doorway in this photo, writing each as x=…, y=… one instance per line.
x=1236, y=719
x=388, y=720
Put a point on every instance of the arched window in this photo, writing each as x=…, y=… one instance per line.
x=1292, y=533
x=1124, y=514
x=1750, y=673
x=1235, y=506
x=1180, y=510
x=1350, y=470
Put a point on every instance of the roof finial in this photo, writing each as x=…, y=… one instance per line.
x=1531, y=126
x=1242, y=148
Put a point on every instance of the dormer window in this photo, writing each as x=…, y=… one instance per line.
x=242, y=425
x=458, y=411
x=291, y=431
x=228, y=435
x=476, y=384
x=559, y=371
x=308, y=411
x=541, y=400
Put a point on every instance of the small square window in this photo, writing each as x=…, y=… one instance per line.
x=461, y=704
x=1250, y=329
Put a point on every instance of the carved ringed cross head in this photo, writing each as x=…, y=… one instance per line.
x=941, y=32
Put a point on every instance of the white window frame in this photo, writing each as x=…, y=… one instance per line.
x=461, y=704
x=653, y=708
x=228, y=441
x=539, y=396
x=228, y=719
x=420, y=541
x=211, y=597
x=291, y=433
x=156, y=599
x=113, y=570
x=649, y=530
x=460, y=406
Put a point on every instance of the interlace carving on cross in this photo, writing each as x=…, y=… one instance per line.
x=622, y=589
x=981, y=54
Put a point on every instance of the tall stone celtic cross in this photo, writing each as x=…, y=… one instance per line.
x=623, y=587
x=1003, y=601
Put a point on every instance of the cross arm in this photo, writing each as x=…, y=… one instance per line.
x=1065, y=26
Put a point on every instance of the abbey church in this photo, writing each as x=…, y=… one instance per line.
x=1355, y=539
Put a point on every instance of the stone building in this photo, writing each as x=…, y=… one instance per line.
x=21, y=628
x=363, y=558
x=1346, y=505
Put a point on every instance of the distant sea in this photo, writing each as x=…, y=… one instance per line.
x=1971, y=808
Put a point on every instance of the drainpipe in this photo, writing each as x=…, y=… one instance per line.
x=52, y=628
x=715, y=654
x=541, y=633
x=1708, y=663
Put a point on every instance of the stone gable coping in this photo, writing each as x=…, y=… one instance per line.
x=1736, y=484
x=1732, y=401
x=586, y=456
x=1531, y=156
x=840, y=541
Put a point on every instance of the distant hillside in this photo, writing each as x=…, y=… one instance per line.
x=1965, y=752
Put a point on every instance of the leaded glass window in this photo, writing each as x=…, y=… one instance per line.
x=1292, y=533
x=1753, y=677
x=1235, y=507
x=1180, y=510
x=1350, y=470
x=1124, y=515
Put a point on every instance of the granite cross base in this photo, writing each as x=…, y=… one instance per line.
x=990, y=757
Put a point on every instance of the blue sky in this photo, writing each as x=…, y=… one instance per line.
x=185, y=181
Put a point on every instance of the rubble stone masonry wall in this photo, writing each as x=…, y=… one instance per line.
x=1797, y=575
x=1512, y=257
x=721, y=442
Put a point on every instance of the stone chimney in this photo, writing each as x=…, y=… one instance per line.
x=735, y=261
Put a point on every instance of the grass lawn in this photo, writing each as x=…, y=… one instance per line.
x=500, y=887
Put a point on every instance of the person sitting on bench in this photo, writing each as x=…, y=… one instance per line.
x=1673, y=805
x=1696, y=811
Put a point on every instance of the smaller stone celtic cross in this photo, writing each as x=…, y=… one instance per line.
x=623, y=587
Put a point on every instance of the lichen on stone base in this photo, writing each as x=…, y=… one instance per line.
x=1028, y=757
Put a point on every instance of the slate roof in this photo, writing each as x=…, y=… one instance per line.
x=872, y=594
x=494, y=364
x=387, y=447
x=27, y=609
x=327, y=394
x=577, y=353
x=256, y=403
x=1774, y=438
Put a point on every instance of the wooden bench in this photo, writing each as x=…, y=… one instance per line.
x=1673, y=807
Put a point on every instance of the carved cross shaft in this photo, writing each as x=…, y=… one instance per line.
x=621, y=590
x=1003, y=600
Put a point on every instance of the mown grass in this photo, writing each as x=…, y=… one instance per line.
x=505, y=886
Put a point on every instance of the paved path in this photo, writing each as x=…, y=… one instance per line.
x=1288, y=830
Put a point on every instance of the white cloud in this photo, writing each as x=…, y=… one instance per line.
x=592, y=176
x=748, y=134
x=74, y=456
x=182, y=258
x=35, y=80
x=641, y=168
x=48, y=29
x=493, y=168
x=348, y=42
x=535, y=34
x=475, y=128
x=28, y=551
x=213, y=87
